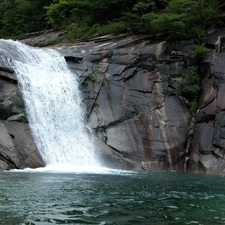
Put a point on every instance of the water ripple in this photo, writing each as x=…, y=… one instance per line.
x=157, y=198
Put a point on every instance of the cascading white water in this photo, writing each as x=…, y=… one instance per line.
x=53, y=105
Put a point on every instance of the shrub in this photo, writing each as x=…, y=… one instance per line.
x=96, y=104
x=192, y=88
x=198, y=50
x=193, y=106
x=93, y=77
x=175, y=24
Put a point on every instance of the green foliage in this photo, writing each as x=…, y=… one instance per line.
x=199, y=12
x=113, y=27
x=96, y=104
x=198, y=50
x=58, y=13
x=22, y=16
x=189, y=87
x=181, y=18
x=85, y=83
x=184, y=73
x=192, y=90
x=111, y=16
x=193, y=106
x=142, y=8
x=146, y=21
x=192, y=79
x=93, y=77
x=192, y=87
x=84, y=33
x=75, y=32
x=193, y=83
x=84, y=19
x=174, y=24
x=197, y=32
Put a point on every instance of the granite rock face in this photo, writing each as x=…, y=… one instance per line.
x=17, y=147
x=136, y=102
x=208, y=146
x=133, y=94
x=130, y=98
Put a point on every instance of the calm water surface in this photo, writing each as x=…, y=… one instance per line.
x=155, y=198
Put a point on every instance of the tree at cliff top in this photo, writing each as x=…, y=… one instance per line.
x=178, y=18
x=22, y=16
x=86, y=18
x=182, y=18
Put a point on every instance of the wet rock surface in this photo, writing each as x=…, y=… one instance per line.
x=208, y=147
x=17, y=146
x=137, y=104
x=129, y=98
x=135, y=101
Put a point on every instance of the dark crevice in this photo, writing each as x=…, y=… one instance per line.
x=115, y=83
x=8, y=160
x=100, y=129
x=144, y=92
x=208, y=103
x=129, y=77
x=131, y=43
x=202, y=118
x=116, y=122
x=125, y=155
x=12, y=136
x=106, y=55
x=210, y=46
x=73, y=59
x=93, y=104
x=154, y=140
x=5, y=69
x=8, y=79
x=219, y=73
x=222, y=110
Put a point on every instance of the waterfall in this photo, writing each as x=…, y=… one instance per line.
x=53, y=105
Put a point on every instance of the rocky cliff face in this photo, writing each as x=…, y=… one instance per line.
x=17, y=147
x=136, y=101
x=207, y=152
x=130, y=99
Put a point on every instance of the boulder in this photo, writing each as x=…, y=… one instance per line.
x=17, y=146
x=24, y=143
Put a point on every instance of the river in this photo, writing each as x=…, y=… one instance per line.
x=121, y=198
